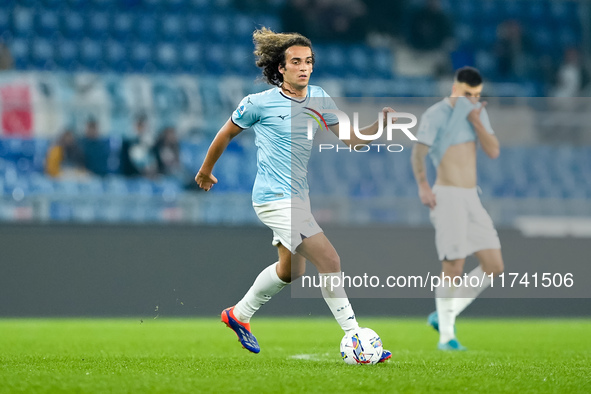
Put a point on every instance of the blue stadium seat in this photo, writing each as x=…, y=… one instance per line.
x=19, y=49
x=465, y=10
x=67, y=55
x=215, y=59
x=72, y=24
x=66, y=188
x=335, y=59
x=139, y=187
x=155, y=6
x=146, y=27
x=561, y=11
x=567, y=37
x=487, y=35
x=167, y=57
x=536, y=10
x=382, y=63
x=47, y=22
x=177, y=6
x=513, y=9
x=122, y=25
x=486, y=63
x=97, y=24
x=141, y=57
x=194, y=27
x=544, y=38
x=29, y=3
x=359, y=61
x=116, y=56
x=489, y=11
x=243, y=26
x=52, y=4
x=91, y=55
x=464, y=33
x=270, y=21
x=23, y=21
x=172, y=27
x=199, y=5
x=219, y=28
x=191, y=58
x=40, y=185
x=241, y=59
x=99, y=5
x=5, y=20
x=90, y=187
x=42, y=53
x=114, y=185
x=76, y=4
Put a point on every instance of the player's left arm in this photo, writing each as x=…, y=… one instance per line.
x=368, y=130
x=488, y=141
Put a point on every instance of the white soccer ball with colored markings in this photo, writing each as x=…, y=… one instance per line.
x=362, y=346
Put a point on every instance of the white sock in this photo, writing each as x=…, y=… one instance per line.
x=337, y=301
x=444, y=303
x=265, y=286
x=466, y=294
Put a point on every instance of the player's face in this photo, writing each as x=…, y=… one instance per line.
x=298, y=66
x=462, y=89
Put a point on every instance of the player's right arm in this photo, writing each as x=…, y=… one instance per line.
x=419, y=153
x=426, y=137
x=204, y=177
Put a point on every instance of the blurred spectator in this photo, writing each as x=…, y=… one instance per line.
x=168, y=157
x=571, y=75
x=65, y=158
x=429, y=27
x=96, y=150
x=512, y=50
x=6, y=61
x=137, y=154
x=167, y=152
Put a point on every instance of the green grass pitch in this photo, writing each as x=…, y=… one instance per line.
x=298, y=355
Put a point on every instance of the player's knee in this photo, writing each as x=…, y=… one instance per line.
x=335, y=262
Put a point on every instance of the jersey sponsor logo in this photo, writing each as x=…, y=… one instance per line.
x=282, y=116
x=240, y=111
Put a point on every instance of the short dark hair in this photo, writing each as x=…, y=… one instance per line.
x=469, y=75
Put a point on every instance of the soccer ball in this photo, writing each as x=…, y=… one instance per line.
x=362, y=346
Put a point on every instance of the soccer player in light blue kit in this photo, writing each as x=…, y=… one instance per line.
x=280, y=192
x=448, y=133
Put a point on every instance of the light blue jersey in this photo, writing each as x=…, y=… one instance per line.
x=443, y=126
x=280, y=124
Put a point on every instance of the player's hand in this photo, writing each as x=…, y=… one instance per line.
x=205, y=181
x=474, y=115
x=427, y=197
x=385, y=111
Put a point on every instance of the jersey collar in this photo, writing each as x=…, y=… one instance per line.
x=293, y=99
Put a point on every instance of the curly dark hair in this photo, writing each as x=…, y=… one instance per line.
x=269, y=49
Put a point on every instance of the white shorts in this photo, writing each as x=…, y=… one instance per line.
x=462, y=225
x=290, y=219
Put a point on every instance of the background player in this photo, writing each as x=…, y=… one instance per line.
x=448, y=133
x=280, y=192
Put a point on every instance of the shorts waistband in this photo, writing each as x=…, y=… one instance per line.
x=456, y=189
